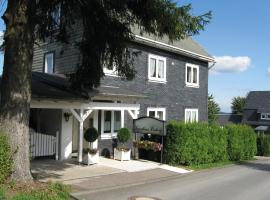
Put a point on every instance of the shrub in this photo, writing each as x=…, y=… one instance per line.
x=241, y=142
x=91, y=134
x=194, y=143
x=263, y=145
x=5, y=157
x=123, y=135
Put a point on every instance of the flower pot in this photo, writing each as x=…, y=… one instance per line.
x=90, y=159
x=121, y=154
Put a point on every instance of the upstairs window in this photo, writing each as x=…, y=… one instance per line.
x=156, y=68
x=192, y=75
x=110, y=72
x=49, y=62
x=158, y=113
x=56, y=17
x=265, y=116
x=191, y=115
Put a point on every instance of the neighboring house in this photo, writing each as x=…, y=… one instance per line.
x=228, y=118
x=171, y=83
x=257, y=111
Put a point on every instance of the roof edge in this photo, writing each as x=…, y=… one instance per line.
x=181, y=51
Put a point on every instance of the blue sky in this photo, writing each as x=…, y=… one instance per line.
x=239, y=37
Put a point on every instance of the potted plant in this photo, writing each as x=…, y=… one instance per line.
x=91, y=155
x=122, y=152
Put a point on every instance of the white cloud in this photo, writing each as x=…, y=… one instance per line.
x=268, y=71
x=229, y=64
x=1, y=37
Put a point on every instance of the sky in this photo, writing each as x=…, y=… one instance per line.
x=238, y=36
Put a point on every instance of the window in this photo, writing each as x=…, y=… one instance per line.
x=192, y=75
x=49, y=63
x=191, y=115
x=265, y=116
x=111, y=123
x=56, y=16
x=156, y=68
x=159, y=113
x=110, y=72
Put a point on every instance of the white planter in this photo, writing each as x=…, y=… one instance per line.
x=90, y=159
x=121, y=155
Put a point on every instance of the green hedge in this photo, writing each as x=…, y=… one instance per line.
x=5, y=158
x=263, y=145
x=200, y=143
x=194, y=143
x=241, y=142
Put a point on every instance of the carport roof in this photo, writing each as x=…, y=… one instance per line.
x=57, y=87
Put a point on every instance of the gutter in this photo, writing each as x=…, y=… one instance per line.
x=139, y=38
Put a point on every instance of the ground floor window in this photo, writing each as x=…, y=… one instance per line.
x=110, y=123
x=191, y=115
x=159, y=113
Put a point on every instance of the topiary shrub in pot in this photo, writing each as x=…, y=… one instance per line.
x=91, y=155
x=122, y=152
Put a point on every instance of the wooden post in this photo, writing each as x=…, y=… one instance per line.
x=80, y=138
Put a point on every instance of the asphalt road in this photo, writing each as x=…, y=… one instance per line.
x=239, y=182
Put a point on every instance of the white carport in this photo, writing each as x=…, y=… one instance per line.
x=81, y=110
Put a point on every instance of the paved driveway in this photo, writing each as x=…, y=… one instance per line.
x=240, y=182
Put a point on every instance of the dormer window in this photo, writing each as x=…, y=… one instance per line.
x=265, y=116
x=49, y=62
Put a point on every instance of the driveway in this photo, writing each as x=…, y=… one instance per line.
x=249, y=181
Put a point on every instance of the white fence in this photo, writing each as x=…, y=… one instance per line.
x=43, y=145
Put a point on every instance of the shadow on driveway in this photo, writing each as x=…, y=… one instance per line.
x=257, y=165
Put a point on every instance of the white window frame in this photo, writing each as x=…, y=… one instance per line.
x=112, y=134
x=156, y=79
x=192, y=66
x=265, y=116
x=46, y=55
x=110, y=72
x=192, y=110
x=156, y=110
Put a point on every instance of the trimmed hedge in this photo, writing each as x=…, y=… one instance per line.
x=194, y=143
x=263, y=145
x=241, y=142
x=200, y=143
x=5, y=158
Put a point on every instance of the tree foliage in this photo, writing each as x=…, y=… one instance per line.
x=213, y=109
x=238, y=105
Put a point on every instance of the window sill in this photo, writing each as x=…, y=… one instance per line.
x=111, y=74
x=108, y=136
x=157, y=81
x=192, y=85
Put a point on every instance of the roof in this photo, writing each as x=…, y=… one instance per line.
x=57, y=87
x=186, y=46
x=259, y=100
x=262, y=128
x=224, y=119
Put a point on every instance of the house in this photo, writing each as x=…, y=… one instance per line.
x=171, y=83
x=228, y=118
x=257, y=111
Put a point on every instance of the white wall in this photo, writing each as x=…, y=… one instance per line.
x=66, y=137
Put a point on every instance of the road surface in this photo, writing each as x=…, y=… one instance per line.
x=238, y=182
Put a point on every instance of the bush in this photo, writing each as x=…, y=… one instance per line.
x=200, y=143
x=5, y=158
x=263, y=145
x=241, y=142
x=123, y=135
x=194, y=143
x=91, y=134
